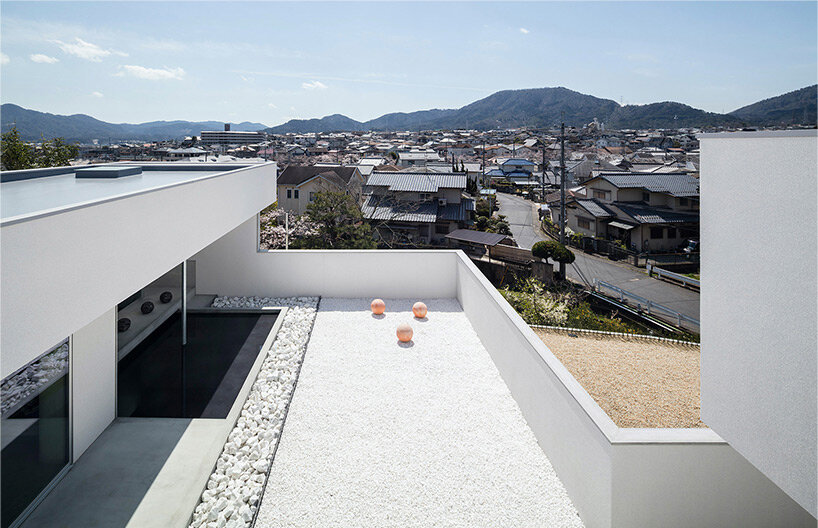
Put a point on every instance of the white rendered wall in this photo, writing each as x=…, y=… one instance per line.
x=62, y=271
x=758, y=304
x=93, y=380
x=615, y=477
x=619, y=477
x=231, y=266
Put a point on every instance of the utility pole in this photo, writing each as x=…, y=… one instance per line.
x=562, y=186
x=542, y=177
x=484, y=163
x=562, y=194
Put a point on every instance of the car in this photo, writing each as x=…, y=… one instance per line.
x=692, y=247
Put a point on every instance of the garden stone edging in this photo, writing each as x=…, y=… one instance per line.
x=234, y=489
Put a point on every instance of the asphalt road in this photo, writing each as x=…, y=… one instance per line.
x=522, y=219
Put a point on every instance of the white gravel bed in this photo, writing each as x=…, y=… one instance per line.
x=383, y=434
x=235, y=487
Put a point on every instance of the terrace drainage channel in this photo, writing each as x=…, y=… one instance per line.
x=161, y=378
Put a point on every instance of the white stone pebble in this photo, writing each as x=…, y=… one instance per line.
x=232, y=493
x=390, y=435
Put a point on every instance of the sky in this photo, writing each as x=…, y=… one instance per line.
x=269, y=62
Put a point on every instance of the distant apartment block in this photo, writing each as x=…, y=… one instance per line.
x=230, y=137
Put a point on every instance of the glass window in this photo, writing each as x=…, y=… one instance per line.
x=295, y=193
x=583, y=223
x=35, y=430
x=645, y=196
x=657, y=232
x=312, y=196
x=289, y=193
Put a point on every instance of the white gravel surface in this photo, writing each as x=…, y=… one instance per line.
x=235, y=486
x=384, y=434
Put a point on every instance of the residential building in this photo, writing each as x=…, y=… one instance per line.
x=417, y=158
x=230, y=137
x=417, y=207
x=299, y=184
x=74, y=257
x=648, y=212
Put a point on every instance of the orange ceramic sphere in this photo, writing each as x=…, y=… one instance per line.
x=419, y=309
x=404, y=333
x=378, y=306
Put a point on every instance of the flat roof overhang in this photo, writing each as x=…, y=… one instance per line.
x=63, y=267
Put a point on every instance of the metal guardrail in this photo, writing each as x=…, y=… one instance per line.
x=650, y=307
x=663, y=273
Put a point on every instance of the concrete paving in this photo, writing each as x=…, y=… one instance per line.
x=523, y=220
x=145, y=472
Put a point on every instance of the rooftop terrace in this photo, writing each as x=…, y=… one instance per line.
x=381, y=433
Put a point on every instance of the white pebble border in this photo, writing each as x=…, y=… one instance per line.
x=237, y=482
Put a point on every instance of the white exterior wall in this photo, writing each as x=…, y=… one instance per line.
x=619, y=477
x=231, y=266
x=93, y=380
x=758, y=302
x=63, y=271
x=615, y=477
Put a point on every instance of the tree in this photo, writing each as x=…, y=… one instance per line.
x=16, y=153
x=56, y=153
x=543, y=249
x=556, y=251
x=341, y=224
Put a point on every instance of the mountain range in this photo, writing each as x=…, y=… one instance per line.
x=536, y=107
x=33, y=125
x=545, y=107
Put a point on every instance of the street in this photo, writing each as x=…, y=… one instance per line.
x=522, y=219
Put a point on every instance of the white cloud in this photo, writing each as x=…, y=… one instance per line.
x=314, y=85
x=151, y=74
x=43, y=59
x=97, y=94
x=86, y=50
x=524, y=31
x=271, y=105
x=4, y=59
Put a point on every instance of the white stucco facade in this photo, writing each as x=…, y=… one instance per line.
x=758, y=301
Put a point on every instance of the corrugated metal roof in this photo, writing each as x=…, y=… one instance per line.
x=377, y=208
x=645, y=214
x=595, y=208
x=476, y=237
x=517, y=161
x=676, y=184
x=426, y=182
x=452, y=211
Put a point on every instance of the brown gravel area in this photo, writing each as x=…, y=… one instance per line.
x=638, y=382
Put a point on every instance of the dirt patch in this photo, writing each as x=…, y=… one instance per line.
x=638, y=382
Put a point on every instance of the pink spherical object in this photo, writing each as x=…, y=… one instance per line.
x=419, y=309
x=404, y=333
x=378, y=306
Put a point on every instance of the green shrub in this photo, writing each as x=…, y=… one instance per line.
x=581, y=316
x=537, y=309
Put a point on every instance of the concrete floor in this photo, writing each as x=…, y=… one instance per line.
x=141, y=472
